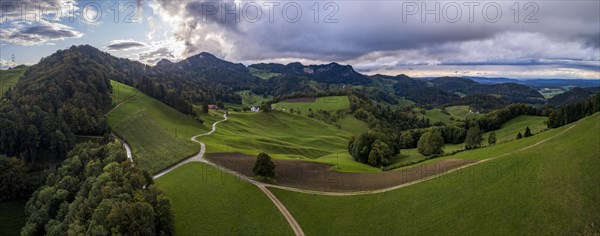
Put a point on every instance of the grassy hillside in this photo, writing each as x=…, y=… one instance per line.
x=453, y=113
x=510, y=129
x=12, y=217
x=262, y=73
x=507, y=133
x=351, y=125
x=547, y=189
x=251, y=99
x=460, y=112
x=158, y=134
x=285, y=136
x=8, y=78
x=331, y=103
x=208, y=202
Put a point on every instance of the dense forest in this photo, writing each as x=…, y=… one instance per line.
x=97, y=191
x=63, y=95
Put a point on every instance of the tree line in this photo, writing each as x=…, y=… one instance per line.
x=573, y=112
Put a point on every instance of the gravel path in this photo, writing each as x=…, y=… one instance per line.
x=263, y=187
x=198, y=157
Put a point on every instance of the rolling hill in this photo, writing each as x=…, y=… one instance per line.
x=158, y=134
x=537, y=185
x=572, y=96
x=328, y=73
x=517, y=93
x=284, y=136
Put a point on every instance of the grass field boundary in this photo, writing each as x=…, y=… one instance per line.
x=326, y=193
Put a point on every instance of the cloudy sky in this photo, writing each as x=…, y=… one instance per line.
x=518, y=39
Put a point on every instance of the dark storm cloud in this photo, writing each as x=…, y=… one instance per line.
x=369, y=30
x=592, y=40
x=124, y=45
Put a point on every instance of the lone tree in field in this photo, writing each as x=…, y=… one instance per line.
x=264, y=167
x=430, y=143
x=527, y=132
x=492, y=138
x=519, y=135
x=473, y=139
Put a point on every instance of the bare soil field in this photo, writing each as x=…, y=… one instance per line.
x=318, y=176
x=307, y=100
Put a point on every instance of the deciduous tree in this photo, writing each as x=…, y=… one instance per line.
x=264, y=166
x=473, y=139
x=430, y=143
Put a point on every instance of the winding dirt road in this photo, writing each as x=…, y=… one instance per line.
x=263, y=187
x=198, y=157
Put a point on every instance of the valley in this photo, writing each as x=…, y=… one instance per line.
x=393, y=153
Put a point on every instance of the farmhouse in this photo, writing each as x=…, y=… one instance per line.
x=212, y=107
x=255, y=109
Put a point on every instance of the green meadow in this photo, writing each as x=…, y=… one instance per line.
x=207, y=201
x=8, y=78
x=452, y=114
x=284, y=136
x=352, y=125
x=159, y=135
x=251, y=99
x=508, y=132
x=542, y=190
x=262, y=74
x=330, y=103
x=511, y=128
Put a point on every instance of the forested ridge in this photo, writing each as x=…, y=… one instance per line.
x=96, y=190
x=63, y=95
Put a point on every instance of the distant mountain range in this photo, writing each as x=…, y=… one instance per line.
x=204, y=78
x=537, y=83
x=329, y=73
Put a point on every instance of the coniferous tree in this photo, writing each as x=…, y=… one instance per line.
x=492, y=138
x=527, y=132
x=519, y=135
